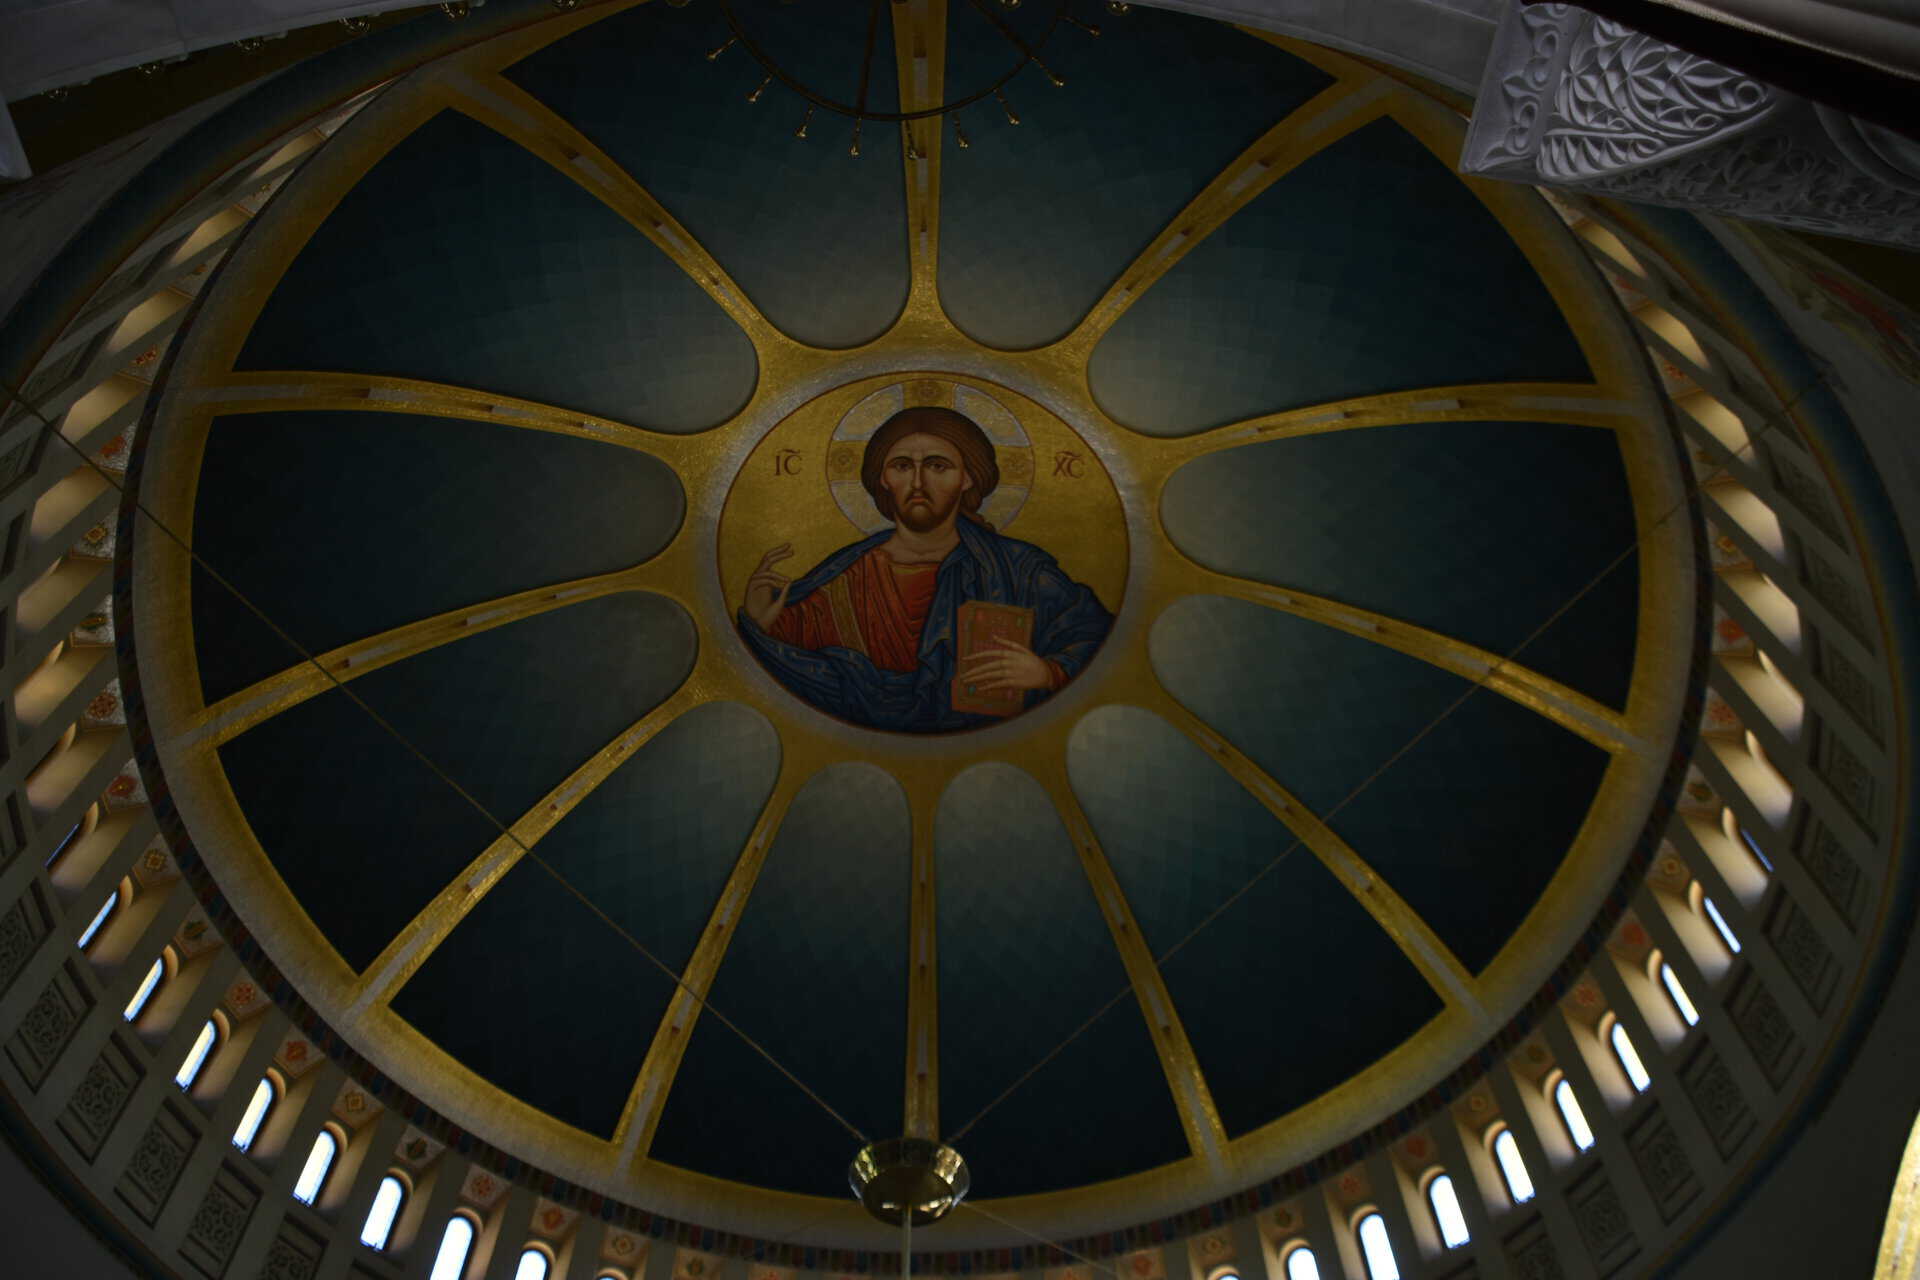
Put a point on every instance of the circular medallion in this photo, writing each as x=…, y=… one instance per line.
x=923, y=554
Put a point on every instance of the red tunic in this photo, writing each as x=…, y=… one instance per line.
x=877, y=607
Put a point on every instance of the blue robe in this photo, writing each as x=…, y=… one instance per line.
x=1069, y=624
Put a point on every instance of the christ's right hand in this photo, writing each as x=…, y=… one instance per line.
x=766, y=597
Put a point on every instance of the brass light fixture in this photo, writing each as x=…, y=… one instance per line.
x=909, y=1182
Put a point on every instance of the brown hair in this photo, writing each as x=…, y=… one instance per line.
x=958, y=430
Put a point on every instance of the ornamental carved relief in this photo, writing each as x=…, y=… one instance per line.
x=217, y=1224
x=1663, y=1165
x=1717, y=1098
x=1831, y=588
x=1849, y=776
x=1807, y=495
x=1832, y=869
x=1626, y=100
x=156, y=1165
x=1531, y=1255
x=1850, y=685
x=47, y=1027
x=1803, y=952
x=1572, y=100
x=20, y=932
x=99, y=1099
x=1601, y=1217
x=1763, y=1024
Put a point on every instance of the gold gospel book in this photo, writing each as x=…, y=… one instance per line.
x=980, y=624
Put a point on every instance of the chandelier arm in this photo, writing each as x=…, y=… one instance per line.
x=866, y=55
x=817, y=99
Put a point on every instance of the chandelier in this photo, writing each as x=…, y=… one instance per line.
x=1026, y=50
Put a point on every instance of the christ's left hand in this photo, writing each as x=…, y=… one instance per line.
x=1010, y=666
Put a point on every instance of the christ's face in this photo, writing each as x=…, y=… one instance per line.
x=925, y=481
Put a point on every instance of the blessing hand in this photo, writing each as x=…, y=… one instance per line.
x=766, y=597
x=1008, y=666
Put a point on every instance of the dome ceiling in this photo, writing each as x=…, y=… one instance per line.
x=1293, y=435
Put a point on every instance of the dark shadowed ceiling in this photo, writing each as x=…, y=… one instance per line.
x=1371, y=430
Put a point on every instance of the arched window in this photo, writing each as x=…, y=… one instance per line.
x=1720, y=923
x=386, y=1207
x=456, y=1243
x=1507, y=1152
x=1301, y=1265
x=1629, y=1059
x=100, y=918
x=265, y=1094
x=1753, y=847
x=1377, y=1249
x=1678, y=994
x=1446, y=1211
x=533, y=1264
x=66, y=843
x=197, y=1056
x=148, y=985
x=1571, y=1115
x=313, y=1174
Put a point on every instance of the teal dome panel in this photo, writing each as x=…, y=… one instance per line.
x=651, y=847
x=1183, y=839
x=835, y=273
x=511, y=712
x=1014, y=903
x=1370, y=268
x=1272, y=684
x=1482, y=531
x=1038, y=220
x=1501, y=820
x=495, y=712
x=539, y=995
x=494, y=510
x=1471, y=824
x=815, y=973
x=654, y=844
x=363, y=833
x=462, y=258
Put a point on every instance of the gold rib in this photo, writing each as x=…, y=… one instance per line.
x=514, y=113
x=1466, y=402
x=232, y=716
x=1571, y=710
x=1199, y=1118
x=640, y=1116
x=920, y=58
x=1421, y=946
x=1324, y=119
x=928, y=783
x=291, y=390
x=403, y=956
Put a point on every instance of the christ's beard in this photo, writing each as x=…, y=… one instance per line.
x=921, y=516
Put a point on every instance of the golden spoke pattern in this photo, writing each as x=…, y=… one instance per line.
x=232, y=716
x=1323, y=120
x=516, y=114
x=302, y=390
x=924, y=786
x=1418, y=942
x=920, y=57
x=1572, y=710
x=1199, y=1118
x=403, y=956
x=1466, y=402
x=640, y=1117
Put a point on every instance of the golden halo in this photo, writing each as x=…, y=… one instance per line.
x=1011, y=448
